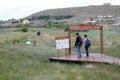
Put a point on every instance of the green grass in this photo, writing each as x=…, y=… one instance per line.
x=29, y=62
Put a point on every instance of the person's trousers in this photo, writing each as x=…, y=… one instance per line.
x=86, y=49
x=79, y=54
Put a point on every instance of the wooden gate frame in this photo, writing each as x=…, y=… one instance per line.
x=87, y=27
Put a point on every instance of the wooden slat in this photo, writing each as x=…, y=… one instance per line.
x=85, y=27
x=93, y=58
x=61, y=37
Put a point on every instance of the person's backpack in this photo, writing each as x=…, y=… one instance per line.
x=88, y=42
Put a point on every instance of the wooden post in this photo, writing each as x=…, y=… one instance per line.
x=66, y=51
x=34, y=42
x=101, y=42
x=69, y=51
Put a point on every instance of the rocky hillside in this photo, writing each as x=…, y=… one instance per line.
x=78, y=14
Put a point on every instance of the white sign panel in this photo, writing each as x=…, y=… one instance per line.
x=62, y=43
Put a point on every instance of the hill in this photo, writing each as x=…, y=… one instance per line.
x=78, y=14
x=72, y=15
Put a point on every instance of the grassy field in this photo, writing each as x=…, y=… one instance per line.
x=31, y=62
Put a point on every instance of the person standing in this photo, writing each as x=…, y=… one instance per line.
x=78, y=44
x=87, y=43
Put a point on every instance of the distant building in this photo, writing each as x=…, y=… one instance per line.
x=90, y=22
x=107, y=4
x=25, y=21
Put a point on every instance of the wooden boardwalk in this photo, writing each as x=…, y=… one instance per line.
x=93, y=58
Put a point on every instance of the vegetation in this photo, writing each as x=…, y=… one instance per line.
x=29, y=62
x=47, y=17
x=22, y=27
x=56, y=25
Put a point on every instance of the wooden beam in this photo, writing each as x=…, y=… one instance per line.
x=62, y=37
x=69, y=51
x=101, y=42
x=85, y=27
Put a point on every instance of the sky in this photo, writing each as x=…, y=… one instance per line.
x=21, y=8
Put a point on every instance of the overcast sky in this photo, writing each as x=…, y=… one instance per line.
x=22, y=8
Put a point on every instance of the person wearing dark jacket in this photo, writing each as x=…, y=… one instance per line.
x=78, y=44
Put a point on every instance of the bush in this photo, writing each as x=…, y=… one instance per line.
x=17, y=30
x=27, y=25
x=66, y=28
x=24, y=29
x=19, y=25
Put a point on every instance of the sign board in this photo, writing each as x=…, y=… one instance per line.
x=62, y=42
x=85, y=27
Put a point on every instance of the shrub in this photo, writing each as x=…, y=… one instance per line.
x=19, y=25
x=24, y=29
x=66, y=28
x=17, y=30
x=26, y=25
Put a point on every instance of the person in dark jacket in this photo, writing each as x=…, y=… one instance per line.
x=78, y=44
